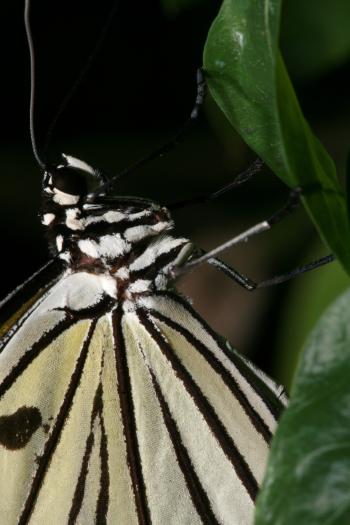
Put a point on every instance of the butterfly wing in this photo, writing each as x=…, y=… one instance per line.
x=26, y=297
x=202, y=428
x=41, y=362
x=136, y=417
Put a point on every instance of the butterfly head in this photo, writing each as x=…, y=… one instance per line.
x=66, y=184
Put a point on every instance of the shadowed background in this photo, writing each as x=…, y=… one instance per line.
x=138, y=91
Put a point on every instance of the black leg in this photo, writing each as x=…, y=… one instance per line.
x=249, y=285
x=200, y=95
x=240, y=179
x=287, y=209
x=277, y=279
x=233, y=274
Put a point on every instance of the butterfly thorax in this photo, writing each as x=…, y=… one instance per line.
x=128, y=240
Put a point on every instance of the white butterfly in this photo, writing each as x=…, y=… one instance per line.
x=118, y=403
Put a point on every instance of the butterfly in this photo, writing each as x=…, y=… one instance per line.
x=118, y=403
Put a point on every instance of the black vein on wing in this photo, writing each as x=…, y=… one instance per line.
x=32, y=353
x=227, y=444
x=198, y=495
x=90, y=312
x=80, y=486
x=259, y=386
x=11, y=332
x=129, y=423
x=103, y=496
x=51, y=443
x=258, y=423
x=71, y=317
x=40, y=281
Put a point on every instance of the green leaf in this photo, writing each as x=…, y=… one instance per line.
x=315, y=36
x=308, y=475
x=248, y=80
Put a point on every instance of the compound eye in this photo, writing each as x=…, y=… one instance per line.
x=70, y=181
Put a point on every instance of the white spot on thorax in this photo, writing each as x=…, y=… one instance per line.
x=72, y=220
x=109, y=285
x=113, y=245
x=65, y=256
x=89, y=247
x=139, y=286
x=139, y=215
x=107, y=246
x=122, y=273
x=59, y=242
x=136, y=233
x=47, y=218
x=65, y=199
x=110, y=217
x=159, y=246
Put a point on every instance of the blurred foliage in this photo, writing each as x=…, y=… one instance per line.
x=315, y=36
x=308, y=475
x=308, y=297
x=248, y=80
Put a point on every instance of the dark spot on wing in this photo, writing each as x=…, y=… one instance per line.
x=17, y=429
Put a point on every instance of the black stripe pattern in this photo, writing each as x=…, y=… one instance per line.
x=150, y=380
x=118, y=404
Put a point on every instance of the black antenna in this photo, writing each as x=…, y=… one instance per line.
x=72, y=90
x=167, y=146
x=32, y=84
x=67, y=98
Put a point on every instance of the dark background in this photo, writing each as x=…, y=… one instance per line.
x=138, y=91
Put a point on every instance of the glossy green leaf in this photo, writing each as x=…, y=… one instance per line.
x=308, y=476
x=248, y=80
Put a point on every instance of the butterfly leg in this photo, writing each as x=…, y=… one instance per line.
x=242, y=280
x=243, y=177
x=287, y=209
x=167, y=146
x=248, y=284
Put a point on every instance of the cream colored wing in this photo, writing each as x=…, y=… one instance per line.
x=129, y=418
